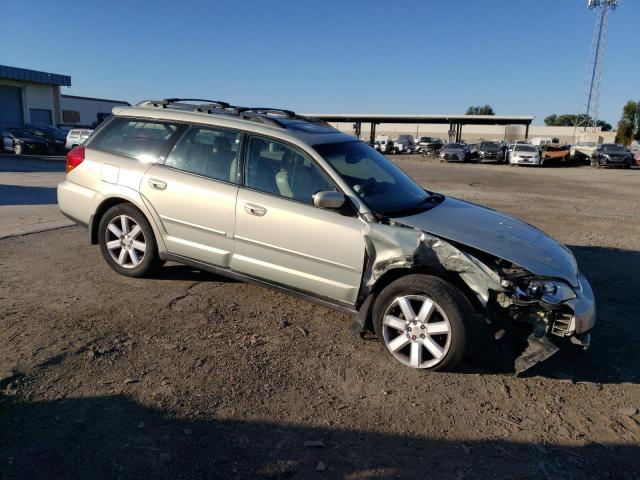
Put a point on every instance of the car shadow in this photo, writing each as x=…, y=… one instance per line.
x=116, y=437
x=27, y=195
x=614, y=356
x=179, y=272
x=29, y=164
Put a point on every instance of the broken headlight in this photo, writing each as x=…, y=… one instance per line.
x=549, y=291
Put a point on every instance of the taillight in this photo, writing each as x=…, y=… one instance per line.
x=74, y=158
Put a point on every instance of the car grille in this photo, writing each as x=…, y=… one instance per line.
x=450, y=156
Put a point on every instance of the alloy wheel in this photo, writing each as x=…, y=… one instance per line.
x=125, y=241
x=416, y=331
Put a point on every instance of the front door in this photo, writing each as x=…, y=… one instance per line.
x=283, y=238
x=194, y=194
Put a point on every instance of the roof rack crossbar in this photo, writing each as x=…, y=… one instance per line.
x=268, y=110
x=169, y=101
x=257, y=117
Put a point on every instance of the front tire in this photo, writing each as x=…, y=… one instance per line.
x=127, y=241
x=423, y=322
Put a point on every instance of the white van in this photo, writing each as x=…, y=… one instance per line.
x=542, y=141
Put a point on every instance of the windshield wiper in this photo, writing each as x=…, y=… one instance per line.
x=425, y=204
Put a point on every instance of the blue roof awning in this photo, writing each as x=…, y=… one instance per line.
x=35, y=76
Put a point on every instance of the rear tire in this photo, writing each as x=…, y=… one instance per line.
x=127, y=241
x=437, y=335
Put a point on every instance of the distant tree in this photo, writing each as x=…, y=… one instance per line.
x=480, y=110
x=569, y=120
x=629, y=124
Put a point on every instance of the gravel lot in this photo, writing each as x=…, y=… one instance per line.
x=188, y=375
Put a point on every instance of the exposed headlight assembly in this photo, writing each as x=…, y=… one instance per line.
x=549, y=291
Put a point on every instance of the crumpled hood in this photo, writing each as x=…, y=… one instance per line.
x=498, y=234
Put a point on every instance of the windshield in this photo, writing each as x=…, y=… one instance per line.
x=613, y=148
x=525, y=148
x=21, y=133
x=453, y=146
x=376, y=180
x=490, y=145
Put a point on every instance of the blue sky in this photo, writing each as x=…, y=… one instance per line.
x=423, y=56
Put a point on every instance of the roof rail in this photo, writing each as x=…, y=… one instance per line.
x=266, y=115
x=179, y=101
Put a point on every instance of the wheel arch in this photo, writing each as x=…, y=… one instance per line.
x=114, y=200
x=365, y=312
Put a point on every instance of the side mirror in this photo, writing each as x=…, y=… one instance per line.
x=329, y=199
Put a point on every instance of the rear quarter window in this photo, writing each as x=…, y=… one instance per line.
x=136, y=138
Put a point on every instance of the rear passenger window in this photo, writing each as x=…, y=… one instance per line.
x=138, y=139
x=208, y=152
x=276, y=168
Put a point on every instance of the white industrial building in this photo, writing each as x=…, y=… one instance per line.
x=85, y=111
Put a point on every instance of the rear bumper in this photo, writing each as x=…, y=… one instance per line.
x=76, y=202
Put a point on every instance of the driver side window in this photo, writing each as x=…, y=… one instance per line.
x=274, y=167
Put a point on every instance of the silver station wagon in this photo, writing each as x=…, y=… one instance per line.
x=285, y=201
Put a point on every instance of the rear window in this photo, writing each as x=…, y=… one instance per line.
x=135, y=138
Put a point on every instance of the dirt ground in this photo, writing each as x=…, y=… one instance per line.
x=188, y=375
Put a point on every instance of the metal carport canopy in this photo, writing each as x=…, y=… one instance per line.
x=443, y=119
x=455, y=121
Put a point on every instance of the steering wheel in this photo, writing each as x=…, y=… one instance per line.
x=369, y=186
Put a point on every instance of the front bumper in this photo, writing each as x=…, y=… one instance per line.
x=525, y=161
x=613, y=162
x=491, y=157
x=583, y=307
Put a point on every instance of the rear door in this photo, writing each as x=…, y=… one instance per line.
x=282, y=237
x=194, y=194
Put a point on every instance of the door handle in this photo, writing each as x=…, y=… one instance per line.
x=254, y=209
x=157, y=184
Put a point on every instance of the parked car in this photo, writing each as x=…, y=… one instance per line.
x=455, y=152
x=635, y=151
x=583, y=152
x=429, y=145
x=22, y=142
x=490, y=152
x=77, y=136
x=541, y=141
x=405, y=144
x=523, y=154
x=52, y=135
x=474, y=151
x=291, y=203
x=554, y=153
x=611, y=155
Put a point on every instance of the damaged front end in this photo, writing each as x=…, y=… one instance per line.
x=522, y=312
